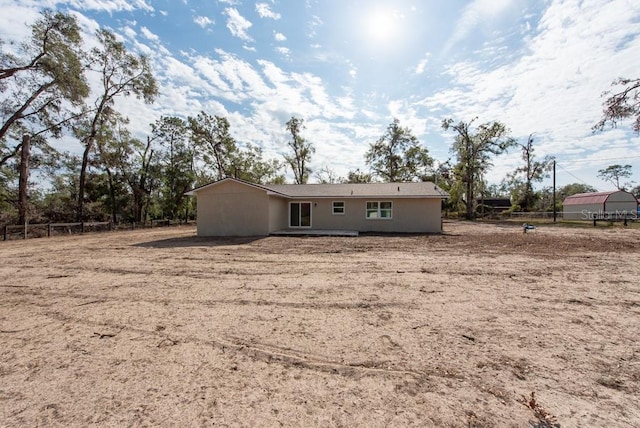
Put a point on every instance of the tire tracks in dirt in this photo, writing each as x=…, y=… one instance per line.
x=257, y=351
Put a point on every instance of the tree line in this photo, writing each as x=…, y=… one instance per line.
x=46, y=96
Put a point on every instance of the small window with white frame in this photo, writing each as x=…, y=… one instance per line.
x=338, y=208
x=382, y=210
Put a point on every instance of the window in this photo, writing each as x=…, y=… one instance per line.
x=338, y=207
x=379, y=210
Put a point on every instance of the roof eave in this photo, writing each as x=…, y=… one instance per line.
x=193, y=192
x=365, y=196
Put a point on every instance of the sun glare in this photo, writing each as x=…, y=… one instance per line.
x=381, y=26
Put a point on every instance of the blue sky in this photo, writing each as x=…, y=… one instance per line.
x=349, y=67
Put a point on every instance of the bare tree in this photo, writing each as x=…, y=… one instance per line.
x=532, y=171
x=473, y=150
x=621, y=105
x=326, y=175
x=614, y=173
x=301, y=149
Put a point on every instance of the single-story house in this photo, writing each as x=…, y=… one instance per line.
x=616, y=204
x=232, y=207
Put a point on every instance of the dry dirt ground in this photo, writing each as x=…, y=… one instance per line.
x=482, y=326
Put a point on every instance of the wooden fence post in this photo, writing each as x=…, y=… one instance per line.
x=49, y=230
x=5, y=232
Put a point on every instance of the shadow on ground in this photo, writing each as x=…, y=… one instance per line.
x=195, y=241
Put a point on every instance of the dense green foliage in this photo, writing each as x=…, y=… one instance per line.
x=398, y=156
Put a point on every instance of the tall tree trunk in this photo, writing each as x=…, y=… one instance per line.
x=112, y=197
x=470, y=197
x=23, y=200
x=82, y=181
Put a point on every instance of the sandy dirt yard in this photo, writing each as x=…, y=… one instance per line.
x=483, y=326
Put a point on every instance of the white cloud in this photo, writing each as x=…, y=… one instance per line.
x=304, y=92
x=129, y=32
x=265, y=12
x=313, y=25
x=149, y=35
x=279, y=37
x=207, y=67
x=203, y=21
x=243, y=80
x=275, y=74
x=111, y=6
x=14, y=28
x=422, y=65
x=283, y=51
x=237, y=24
x=476, y=14
x=555, y=88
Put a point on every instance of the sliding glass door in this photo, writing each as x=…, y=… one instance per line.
x=300, y=214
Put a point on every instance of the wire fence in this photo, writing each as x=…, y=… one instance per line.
x=27, y=231
x=608, y=217
x=534, y=214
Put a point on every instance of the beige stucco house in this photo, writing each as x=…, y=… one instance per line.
x=616, y=204
x=232, y=207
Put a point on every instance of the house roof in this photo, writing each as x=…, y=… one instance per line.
x=193, y=192
x=589, y=198
x=424, y=189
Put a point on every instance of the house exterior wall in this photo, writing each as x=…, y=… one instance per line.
x=233, y=209
x=278, y=213
x=412, y=215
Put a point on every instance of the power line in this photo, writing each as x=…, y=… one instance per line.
x=600, y=160
x=577, y=178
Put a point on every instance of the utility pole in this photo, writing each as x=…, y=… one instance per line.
x=555, y=214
